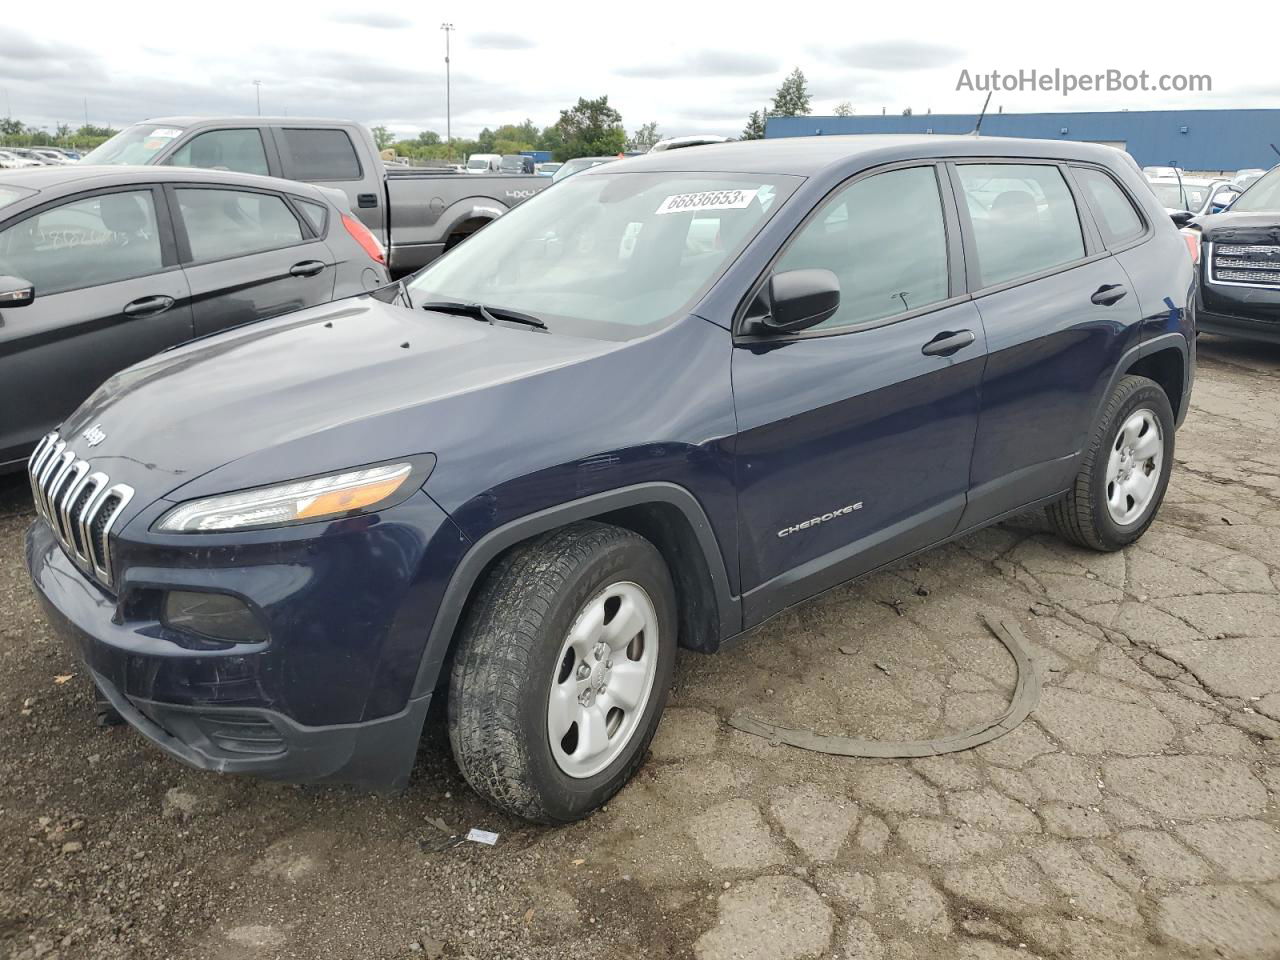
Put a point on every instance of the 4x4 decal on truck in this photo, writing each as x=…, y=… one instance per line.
x=787, y=531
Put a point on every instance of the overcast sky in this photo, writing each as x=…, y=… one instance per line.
x=691, y=67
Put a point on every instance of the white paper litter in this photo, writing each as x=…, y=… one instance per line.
x=482, y=836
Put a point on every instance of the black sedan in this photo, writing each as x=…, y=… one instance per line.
x=103, y=266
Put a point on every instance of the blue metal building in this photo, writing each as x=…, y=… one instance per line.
x=1192, y=139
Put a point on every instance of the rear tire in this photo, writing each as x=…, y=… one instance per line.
x=1125, y=471
x=562, y=670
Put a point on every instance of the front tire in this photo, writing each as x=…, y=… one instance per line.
x=1125, y=471
x=562, y=671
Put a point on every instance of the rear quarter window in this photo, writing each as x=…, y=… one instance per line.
x=1118, y=221
x=319, y=154
x=315, y=213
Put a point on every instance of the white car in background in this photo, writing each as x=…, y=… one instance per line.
x=11, y=161
x=1198, y=195
x=484, y=163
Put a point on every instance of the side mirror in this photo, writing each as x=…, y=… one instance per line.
x=799, y=299
x=16, y=292
x=1181, y=218
x=1223, y=199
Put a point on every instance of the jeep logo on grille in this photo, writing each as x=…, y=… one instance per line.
x=94, y=435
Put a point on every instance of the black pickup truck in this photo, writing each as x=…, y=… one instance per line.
x=417, y=214
x=1240, y=264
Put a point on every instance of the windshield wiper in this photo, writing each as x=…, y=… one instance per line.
x=481, y=312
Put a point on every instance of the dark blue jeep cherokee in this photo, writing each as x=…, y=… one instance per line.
x=651, y=407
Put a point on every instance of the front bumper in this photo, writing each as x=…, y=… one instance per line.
x=325, y=698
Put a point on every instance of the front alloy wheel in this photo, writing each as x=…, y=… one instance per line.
x=603, y=678
x=562, y=670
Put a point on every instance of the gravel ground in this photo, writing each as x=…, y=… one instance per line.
x=1134, y=815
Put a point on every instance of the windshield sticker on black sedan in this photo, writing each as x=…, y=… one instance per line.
x=707, y=200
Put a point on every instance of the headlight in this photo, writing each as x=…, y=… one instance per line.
x=337, y=495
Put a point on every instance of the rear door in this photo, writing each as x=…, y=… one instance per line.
x=248, y=254
x=329, y=157
x=1058, y=311
x=109, y=292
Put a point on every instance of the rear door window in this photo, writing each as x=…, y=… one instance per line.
x=319, y=154
x=1117, y=219
x=238, y=150
x=231, y=223
x=85, y=243
x=1024, y=219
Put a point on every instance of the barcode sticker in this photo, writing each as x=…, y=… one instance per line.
x=707, y=200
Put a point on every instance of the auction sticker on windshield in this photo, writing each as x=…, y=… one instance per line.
x=707, y=200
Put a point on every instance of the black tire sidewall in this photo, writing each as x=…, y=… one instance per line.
x=1113, y=535
x=564, y=798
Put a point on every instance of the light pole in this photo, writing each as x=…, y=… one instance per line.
x=448, y=28
x=257, y=89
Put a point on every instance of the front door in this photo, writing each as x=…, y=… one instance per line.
x=248, y=256
x=855, y=437
x=109, y=293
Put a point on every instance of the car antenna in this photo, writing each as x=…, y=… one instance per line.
x=1274, y=150
x=978, y=126
x=1182, y=193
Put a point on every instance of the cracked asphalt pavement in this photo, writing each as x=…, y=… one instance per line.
x=1136, y=814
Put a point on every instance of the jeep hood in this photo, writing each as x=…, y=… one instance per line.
x=303, y=393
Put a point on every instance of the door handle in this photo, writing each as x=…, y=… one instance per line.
x=147, y=306
x=947, y=343
x=367, y=200
x=1108, y=293
x=307, y=268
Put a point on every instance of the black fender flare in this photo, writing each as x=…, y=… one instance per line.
x=1145, y=349
x=482, y=553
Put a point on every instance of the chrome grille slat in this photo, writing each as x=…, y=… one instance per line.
x=59, y=481
x=1246, y=249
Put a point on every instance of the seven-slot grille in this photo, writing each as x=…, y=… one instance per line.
x=1255, y=265
x=80, y=504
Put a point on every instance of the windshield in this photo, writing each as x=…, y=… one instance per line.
x=1186, y=197
x=478, y=163
x=137, y=144
x=611, y=255
x=1262, y=197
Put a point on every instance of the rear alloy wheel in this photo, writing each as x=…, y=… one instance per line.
x=1124, y=471
x=562, y=670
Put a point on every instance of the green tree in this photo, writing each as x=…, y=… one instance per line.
x=792, y=98
x=754, y=130
x=484, y=142
x=429, y=138
x=591, y=128
x=382, y=137
x=644, y=137
x=906, y=112
x=550, y=139
x=844, y=109
x=10, y=127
